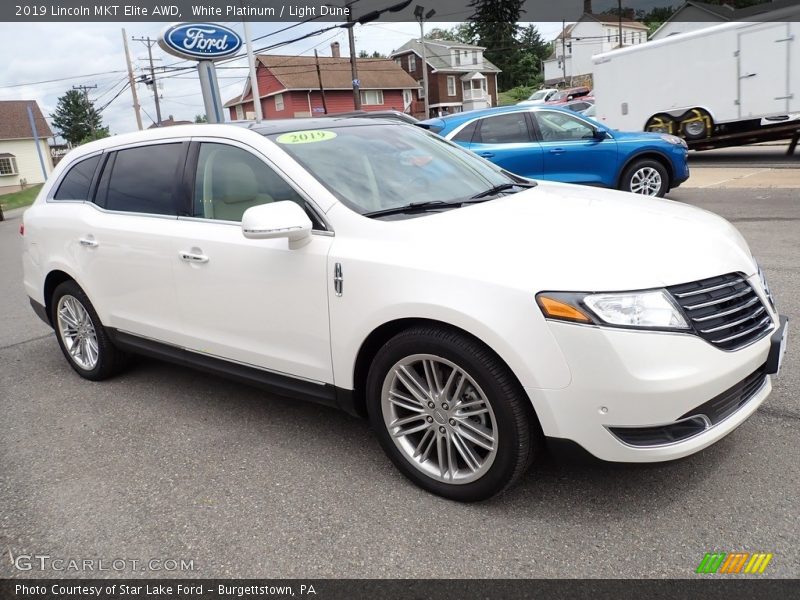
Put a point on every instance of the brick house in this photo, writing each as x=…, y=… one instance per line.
x=289, y=86
x=459, y=77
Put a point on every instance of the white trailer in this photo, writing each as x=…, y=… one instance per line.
x=723, y=85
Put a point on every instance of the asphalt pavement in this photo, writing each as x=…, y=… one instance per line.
x=169, y=463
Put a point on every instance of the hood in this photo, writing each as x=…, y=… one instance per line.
x=565, y=237
x=637, y=136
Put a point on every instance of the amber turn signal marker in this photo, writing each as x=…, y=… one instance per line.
x=560, y=310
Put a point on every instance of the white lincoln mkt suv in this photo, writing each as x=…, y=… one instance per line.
x=469, y=313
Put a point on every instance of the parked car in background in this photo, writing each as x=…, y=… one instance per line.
x=548, y=142
x=539, y=97
x=579, y=105
x=392, y=115
x=374, y=267
x=569, y=94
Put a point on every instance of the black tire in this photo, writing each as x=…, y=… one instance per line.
x=519, y=437
x=109, y=359
x=696, y=124
x=636, y=168
x=661, y=123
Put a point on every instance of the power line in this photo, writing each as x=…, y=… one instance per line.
x=15, y=85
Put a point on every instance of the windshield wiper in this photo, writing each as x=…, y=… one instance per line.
x=503, y=187
x=412, y=207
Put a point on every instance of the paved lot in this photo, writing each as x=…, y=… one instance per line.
x=164, y=462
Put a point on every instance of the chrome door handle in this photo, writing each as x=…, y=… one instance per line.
x=88, y=242
x=193, y=258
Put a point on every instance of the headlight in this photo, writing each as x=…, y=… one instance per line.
x=674, y=139
x=652, y=309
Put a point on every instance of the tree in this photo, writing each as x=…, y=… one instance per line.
x=494, y=23
x=365, y=54
x=97, y=134
x=463, y=33
x=76, y=118
x=200, y=119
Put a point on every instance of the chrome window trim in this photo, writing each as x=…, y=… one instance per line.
x=67, y=168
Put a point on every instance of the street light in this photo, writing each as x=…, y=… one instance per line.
x=421, y=15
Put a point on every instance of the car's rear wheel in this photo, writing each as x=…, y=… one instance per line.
x=647, y=177
x=81, y=335
x=450, y=414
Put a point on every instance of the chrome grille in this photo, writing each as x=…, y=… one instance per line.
x=725, y=310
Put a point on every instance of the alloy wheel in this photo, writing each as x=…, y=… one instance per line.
x=77, y=332
x=439, y=418
x=646, y=181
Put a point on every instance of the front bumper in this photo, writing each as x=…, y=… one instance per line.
x=625, y=380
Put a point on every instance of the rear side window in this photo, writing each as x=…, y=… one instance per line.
x=511, y=128
x=465, y=135
x=78, y=180
x=143, y=179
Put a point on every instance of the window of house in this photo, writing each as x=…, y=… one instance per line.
x=510, y=128
x=78, y=180
x=8, y=164
x=230, y=180
x=421, y=90
x=372, y=97
x=456, y=55
x=142, y=179
x=412, y=62
x=398, y=62
x=475, y=57
x=239, y=112
x=278, y=101
x=451, y=85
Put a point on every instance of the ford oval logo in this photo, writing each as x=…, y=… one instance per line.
x=200, y=41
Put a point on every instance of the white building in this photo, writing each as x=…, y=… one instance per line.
x=573, y=48
x=19, y=159
x=692, y=16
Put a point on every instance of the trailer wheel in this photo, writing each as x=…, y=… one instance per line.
x=696, y=124
x=661, y=123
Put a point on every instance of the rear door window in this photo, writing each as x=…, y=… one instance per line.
x=510, y=128
x=78, y=180
x=144, y=179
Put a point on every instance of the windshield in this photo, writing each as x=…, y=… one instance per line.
x=383, y=166
x=538, y=95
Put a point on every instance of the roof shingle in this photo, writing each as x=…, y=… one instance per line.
x=14, y=123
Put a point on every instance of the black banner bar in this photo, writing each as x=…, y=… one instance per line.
x=706, y=587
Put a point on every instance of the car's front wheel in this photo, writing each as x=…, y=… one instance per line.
x=647, y=177
x=450, y=414
x=81, y=335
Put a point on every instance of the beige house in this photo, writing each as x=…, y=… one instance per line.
x=19, y=160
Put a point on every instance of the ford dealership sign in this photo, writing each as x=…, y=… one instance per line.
x=200, y=41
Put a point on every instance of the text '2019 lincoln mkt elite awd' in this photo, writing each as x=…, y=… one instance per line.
x=469, y=313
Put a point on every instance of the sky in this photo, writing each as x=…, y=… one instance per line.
x=92, y=54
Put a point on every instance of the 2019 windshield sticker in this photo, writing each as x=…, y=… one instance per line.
x=305, y=137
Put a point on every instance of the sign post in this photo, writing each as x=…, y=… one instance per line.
x=205, y=43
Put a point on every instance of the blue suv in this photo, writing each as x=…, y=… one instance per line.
x=545, y=142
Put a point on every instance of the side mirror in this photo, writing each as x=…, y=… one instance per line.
x=599, y=134
x=283, y=219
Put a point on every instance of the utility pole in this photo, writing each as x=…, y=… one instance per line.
x=351, y=37
x=132, y=81
x=85, y=89
x=421, y=15
x=251, y=62
x=321, y=87
x=619, y=14
x=150, y=43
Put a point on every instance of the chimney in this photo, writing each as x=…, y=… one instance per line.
x=335, y=50
x=587, y=6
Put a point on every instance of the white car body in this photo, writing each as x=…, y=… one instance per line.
x=550, y=92
x=264, y=304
